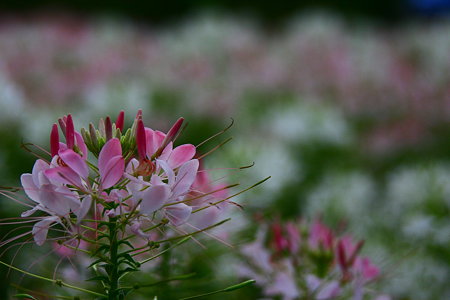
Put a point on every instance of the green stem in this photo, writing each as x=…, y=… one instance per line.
x=113, y=271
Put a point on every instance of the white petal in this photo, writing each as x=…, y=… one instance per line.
x=84, y=208
x=29, y=187
x=167, y=170
x=153, y=198
x=178, y=214
x=185, y=177
x=38, y=168
x=40, y=229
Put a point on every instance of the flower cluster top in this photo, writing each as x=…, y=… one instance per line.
x=138, y=175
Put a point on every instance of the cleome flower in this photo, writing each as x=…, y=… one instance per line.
x=112, y=195
x=308, y=260
x=139, y=176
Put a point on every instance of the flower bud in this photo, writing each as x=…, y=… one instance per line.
x=120, y=120
x=54, y=140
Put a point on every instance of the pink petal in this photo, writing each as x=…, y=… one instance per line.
x=112, y=172
x=75, y=162
x=158, y=138
x=111, y=163
x=180, y=155
x=178, y=214
x=153, y=198
x=110, y=149
x=40, y=229
x=29, y=187
x=165, y=154
x=185, y=177
x=151, y=146
x=63, y=175
x=368, y=270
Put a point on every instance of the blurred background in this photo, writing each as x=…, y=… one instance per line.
x=346, y=104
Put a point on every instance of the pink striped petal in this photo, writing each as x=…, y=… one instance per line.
x=75, y=162
x=180, y=155
x=112, y=172
x=153, y=198
x=63, y=175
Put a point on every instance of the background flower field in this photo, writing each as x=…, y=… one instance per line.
x=351, y=122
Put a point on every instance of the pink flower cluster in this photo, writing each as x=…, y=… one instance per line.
x=300, y=260
x=139, y=177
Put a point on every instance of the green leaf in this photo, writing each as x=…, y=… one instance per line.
x=126, y=243
x=95, y=262
x=126, y=271
x=99, y=278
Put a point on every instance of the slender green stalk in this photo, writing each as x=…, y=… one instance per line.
x=225, y=290
x=57, y=282
x=113, y=270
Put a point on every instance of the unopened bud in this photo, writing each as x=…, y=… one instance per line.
x=108, y=128
x=54, y=140
x=141, y=141
x=120, y=120
x=70, y=132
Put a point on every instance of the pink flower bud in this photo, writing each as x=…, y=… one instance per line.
x=120, y=120
x=108, y=128
x=172, y=132
x=341, y=257
x=62, y=125
x=171, y=135
x=141, y=140
x=139, y=114
x=70, y=132
x=54, y=140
